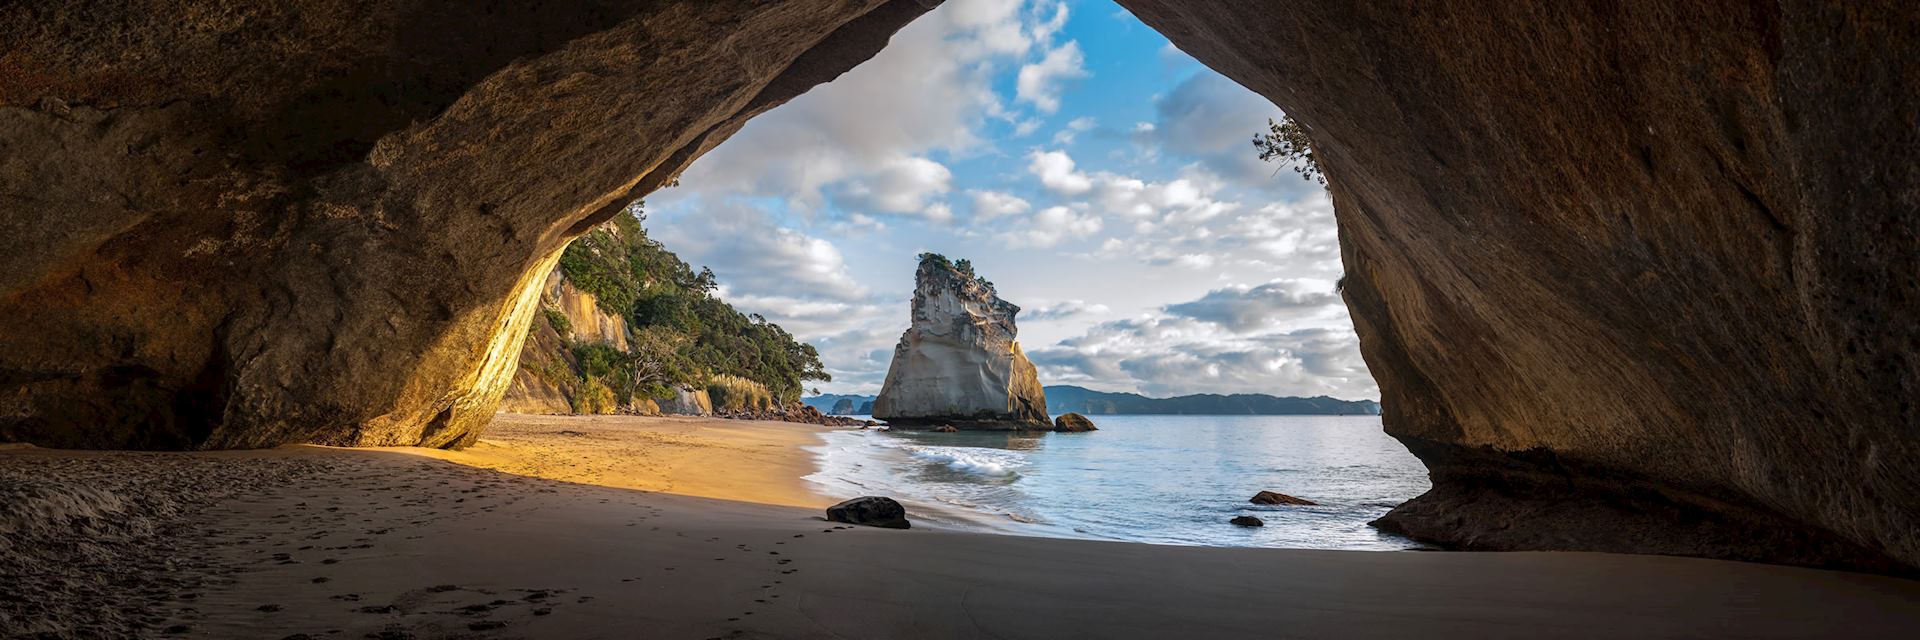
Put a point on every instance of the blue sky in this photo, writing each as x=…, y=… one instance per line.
x=1101, y=178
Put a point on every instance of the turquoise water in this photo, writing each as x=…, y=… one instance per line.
x=1157, y=479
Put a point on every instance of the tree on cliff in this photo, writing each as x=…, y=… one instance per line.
x=683, y=335
x=1287, y=141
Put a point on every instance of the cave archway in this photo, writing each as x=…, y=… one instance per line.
x=1638, y=264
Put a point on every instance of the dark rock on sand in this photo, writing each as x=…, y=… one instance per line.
x=1073, y=423
x=1270, y=497
x=1247, y=521
x=871, y=511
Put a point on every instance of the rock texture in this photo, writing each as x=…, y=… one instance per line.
x=688, y=402
x=1247, y=521
x=1073, y=423
x=1276, y=498
x=242, y=224
x=1634, y=276
x=958, y=363
x=872, y=511
x=546, y=380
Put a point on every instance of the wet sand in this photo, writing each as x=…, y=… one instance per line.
x=336, y=543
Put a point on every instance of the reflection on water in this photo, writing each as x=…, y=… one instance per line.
x=1162, y=479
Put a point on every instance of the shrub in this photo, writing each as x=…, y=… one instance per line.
x=558, y=321
x=734, y=393
x=1287, y=141
x=594, y=397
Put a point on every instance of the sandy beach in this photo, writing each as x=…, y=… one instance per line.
x=714, y=535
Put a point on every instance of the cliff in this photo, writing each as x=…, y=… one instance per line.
x=550, y=379
x=958, y=363
x=1634, y=276
x=244, y=224
x=1067, y=398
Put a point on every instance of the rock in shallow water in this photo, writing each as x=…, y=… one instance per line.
x=959, y=364
x=1270, y=497
x=871, y=511
x=1247, y=521
x=1073, y=423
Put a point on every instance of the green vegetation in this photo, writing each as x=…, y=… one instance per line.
x=682, y=335
x=1287, y=141
x=558, y=321
x=734, y=393
x=963, y=266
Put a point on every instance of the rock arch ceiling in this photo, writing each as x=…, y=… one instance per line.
x=245, y=224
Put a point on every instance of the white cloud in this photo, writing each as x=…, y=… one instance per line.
x=1039, y=83
x=754, y=255
x=1297, y=302
x=1062, y=310
x=1055, y=170
x=1073, y=129
x=994, y=204
x=1051, y=225
x=902, y=186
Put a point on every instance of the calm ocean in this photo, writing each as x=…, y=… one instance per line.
x=1158, y=479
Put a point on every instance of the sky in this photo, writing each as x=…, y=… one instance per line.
x=1103, y=180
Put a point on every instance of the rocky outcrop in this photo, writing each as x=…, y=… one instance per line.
x=958, y=363
x=1276, y=498
x=1632, y=277
x=871, y=511
x=687, y=402
x=242, y=224
x=1073, y=423
x=547, y=380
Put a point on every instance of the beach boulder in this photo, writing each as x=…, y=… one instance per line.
x=870, y=511
x=1247, y=521
x=1073, y=423
x=947, y=428
x=958, y=363
x=1270, y=497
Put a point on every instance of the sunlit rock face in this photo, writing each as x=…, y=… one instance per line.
x=958, y=364
x=1632, y=277
x=248, y=223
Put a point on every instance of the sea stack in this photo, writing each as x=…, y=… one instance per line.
x=959, y=364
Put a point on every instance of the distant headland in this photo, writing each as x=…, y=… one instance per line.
x=1069, y=398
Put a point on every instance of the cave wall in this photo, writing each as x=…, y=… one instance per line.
x=1632, y=276
x=243, y=224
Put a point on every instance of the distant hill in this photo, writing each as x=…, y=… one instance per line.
x=1072, y=399
x=1067, y=398
x=830, y=404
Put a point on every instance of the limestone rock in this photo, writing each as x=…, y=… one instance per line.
x=1274, y=498
x=1073, y=423
x=958, y=363
x=871, y=511
x=243, y=224
x=1631, y=279
x=687, y=402
x=1247, y=521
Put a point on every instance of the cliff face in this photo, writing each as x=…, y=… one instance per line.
x=548, y=380
x=1632, y=277
x=958, y=363
x=242, y=224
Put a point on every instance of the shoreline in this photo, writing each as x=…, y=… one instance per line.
x=756, y=461
x=319, y=542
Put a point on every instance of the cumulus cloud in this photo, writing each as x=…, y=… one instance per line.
x=1243, y=308
x=1039, y=82
x=1164, y=356
x=994, y=204
x=1051, y=225
x=754, y=255
x=902, y=186
x=1063, y=309
x=930, y=89
x=1056, y=173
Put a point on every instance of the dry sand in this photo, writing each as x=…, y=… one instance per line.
x=335, y=543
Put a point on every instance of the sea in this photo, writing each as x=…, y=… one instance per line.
x=1142, y=478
